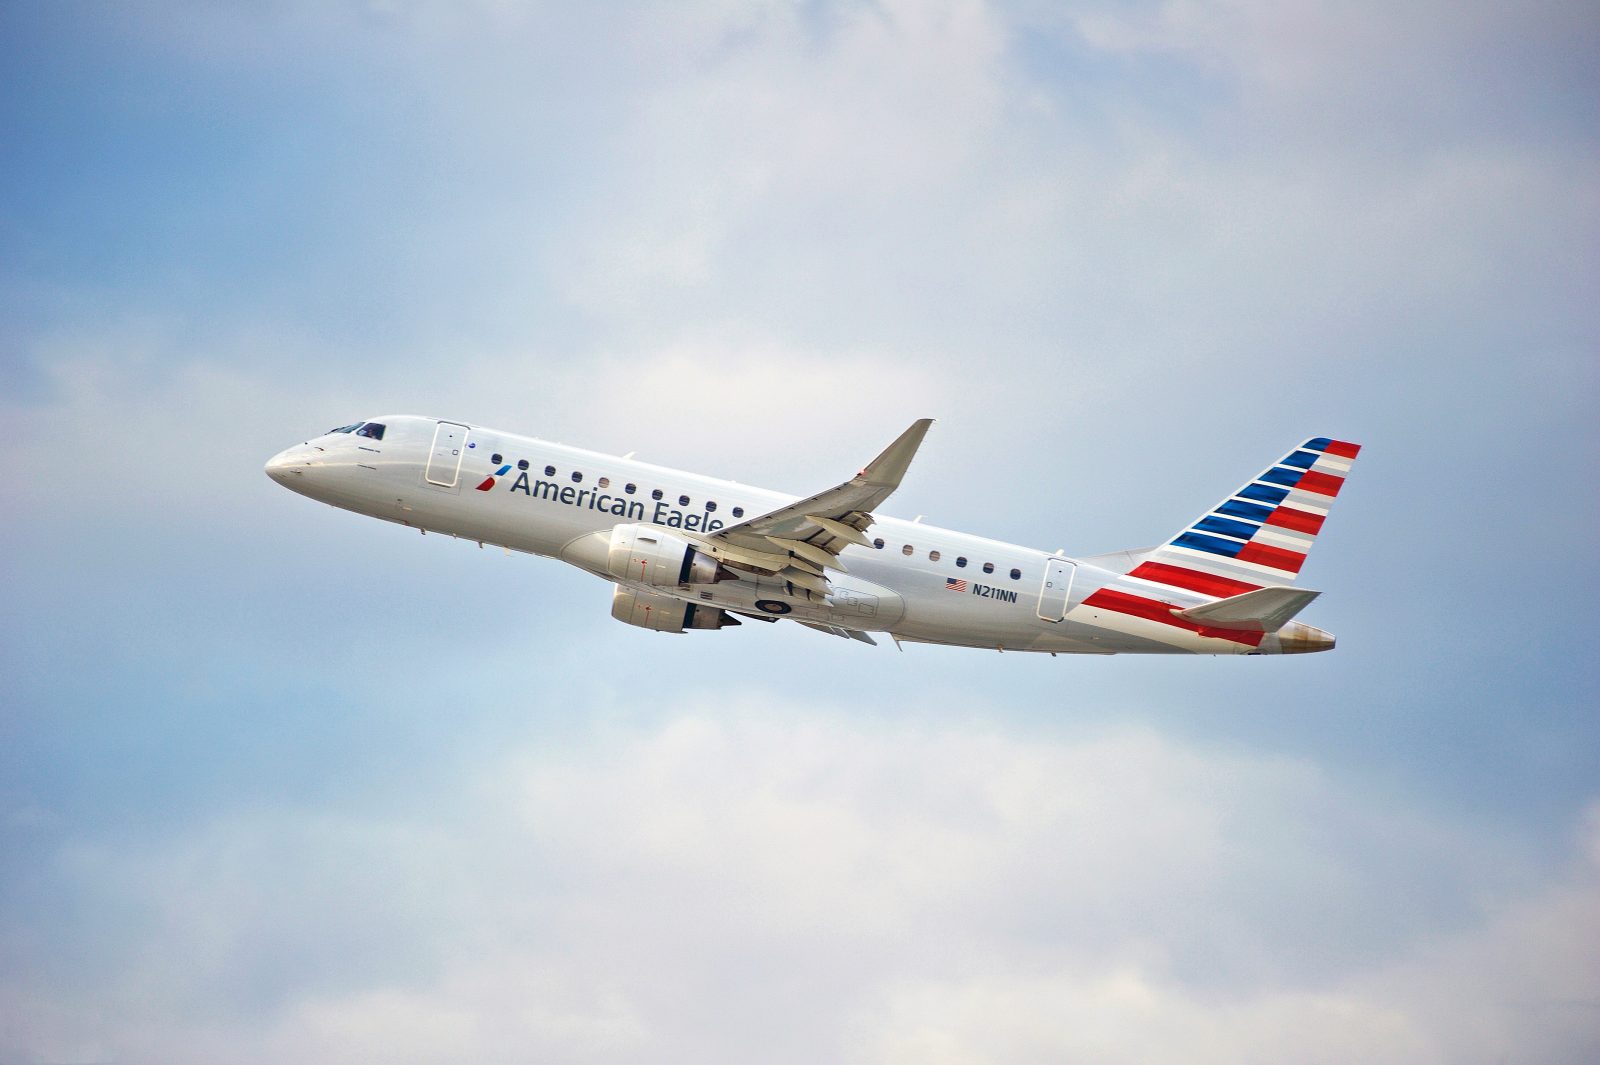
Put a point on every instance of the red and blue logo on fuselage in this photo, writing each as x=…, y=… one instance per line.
x=488, y=482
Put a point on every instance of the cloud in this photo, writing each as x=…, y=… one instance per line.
x=206, y=411
x=727, y=400
x=1445, y=72
x=855, y=128
x=774, y=879
x=901, y=181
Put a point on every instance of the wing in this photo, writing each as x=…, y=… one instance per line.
x=802, y=540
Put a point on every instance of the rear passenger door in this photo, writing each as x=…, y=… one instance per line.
x=1058, y=574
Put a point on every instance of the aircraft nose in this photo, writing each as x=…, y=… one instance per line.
x=285, y=465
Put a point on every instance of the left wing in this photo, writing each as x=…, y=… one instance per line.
x=802, y=540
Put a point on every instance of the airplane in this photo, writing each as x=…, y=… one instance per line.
x=687, y=552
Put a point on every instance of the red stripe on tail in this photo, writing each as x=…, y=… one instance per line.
x=1298, y=520
x=1151, y=610
x=1324, y=484
x=1275, y=557
x=1192, y=580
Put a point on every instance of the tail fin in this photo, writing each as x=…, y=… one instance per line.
x=1258, y=537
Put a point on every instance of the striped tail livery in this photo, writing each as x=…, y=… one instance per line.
x=1230, y=573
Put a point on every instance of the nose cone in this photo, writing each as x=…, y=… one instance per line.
x=287, y=466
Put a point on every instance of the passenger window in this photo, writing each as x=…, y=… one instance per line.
x=961, y=560
x=655, y=493
x=495, y=459
x=878, y=543
x=711, y=504
x=906, y=550
x=988, y=567
x=683, y=501
x=630, y=488
x=933, y=556
x=1016, y=574
x=604, y=482
x=549, y=471
x=522, y=464
x=372, y=431
x=738, y=512
x=577, y=478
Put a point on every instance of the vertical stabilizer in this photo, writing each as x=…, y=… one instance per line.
x=1259, y=536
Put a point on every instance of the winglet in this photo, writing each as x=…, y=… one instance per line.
x=888, y=468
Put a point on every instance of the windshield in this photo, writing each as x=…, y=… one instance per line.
x=370, y=430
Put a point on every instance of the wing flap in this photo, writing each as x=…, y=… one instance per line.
x=840, y=630
x=808, y=551
x=801, y=579
x=848, y=533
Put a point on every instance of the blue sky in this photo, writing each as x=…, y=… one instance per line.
x=277, y=782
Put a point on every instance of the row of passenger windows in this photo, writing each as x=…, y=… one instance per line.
x=605, y=482
x=933, y=556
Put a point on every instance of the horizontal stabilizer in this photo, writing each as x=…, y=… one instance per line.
x=1263, y=610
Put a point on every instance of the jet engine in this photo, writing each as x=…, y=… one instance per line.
x=650, y=555
x=663, y=613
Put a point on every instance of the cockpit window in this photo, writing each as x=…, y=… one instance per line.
x=372, y=430
x=343, y=429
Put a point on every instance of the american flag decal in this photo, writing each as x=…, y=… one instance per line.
x=954, y=584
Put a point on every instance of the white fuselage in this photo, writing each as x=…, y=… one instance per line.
x=923, y=584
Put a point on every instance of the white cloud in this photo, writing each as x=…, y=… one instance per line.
x=800, y=215
x=776, y=880
x=158, y=420
x=852, y=134
x=189, y=420
x=726, y=400
x=1521, y=984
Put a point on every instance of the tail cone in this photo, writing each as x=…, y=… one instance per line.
x=1297, y=638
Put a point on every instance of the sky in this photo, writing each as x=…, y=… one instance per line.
x=278, y=782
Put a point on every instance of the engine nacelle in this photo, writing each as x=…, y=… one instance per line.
x=650, y=555
x=662, y=613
